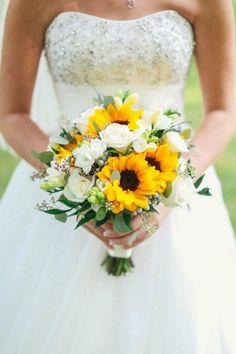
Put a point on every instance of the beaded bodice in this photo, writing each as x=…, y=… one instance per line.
x=154, y=49
x=150, y=55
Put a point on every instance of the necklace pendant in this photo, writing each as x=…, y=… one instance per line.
x=131, y=4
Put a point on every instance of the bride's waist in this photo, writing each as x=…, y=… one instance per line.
x=73, y=100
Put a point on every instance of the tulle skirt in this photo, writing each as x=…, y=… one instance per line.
x=56, y=298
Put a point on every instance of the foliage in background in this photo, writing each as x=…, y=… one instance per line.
x=226, y=164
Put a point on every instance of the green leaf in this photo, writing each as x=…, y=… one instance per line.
x=199, y=181
x=108, y=100
x=152, y=209
x=127, y=219
x=101, y=213
x=87, y=217
x=120, y=225
x=159, y=133
x=86, y=205
x=171, y=112
x=67, y=202
x=168, y=190
x=205, y=191
x=55, y=211
x=61, y=217
x=45, y=156
x=107, y=217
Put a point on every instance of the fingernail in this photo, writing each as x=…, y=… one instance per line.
x=106, y=233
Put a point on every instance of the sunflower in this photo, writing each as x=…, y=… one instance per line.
x=62, y=153
x=125, y=115
x=112, y=114
x=130, y=180
x=165, y=163
x=97, y=122
x=78, y=138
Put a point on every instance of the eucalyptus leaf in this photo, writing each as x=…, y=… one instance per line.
x=127, y=219
x=45, y=156
x=61, y=217
x=108, y=100
x=101, y=213
x=107, y=217
x=168, y=190
x=120, y=225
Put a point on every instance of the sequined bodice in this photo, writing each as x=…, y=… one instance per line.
x=154, y=49
x=151, y=55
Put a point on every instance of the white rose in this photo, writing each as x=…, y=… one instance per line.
x=77, y=188
x=176, y=143
x=82, y=121
x=117, y=136
x=182, y=191
x=140, y=145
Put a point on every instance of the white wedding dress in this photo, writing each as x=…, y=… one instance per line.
x=55, y=297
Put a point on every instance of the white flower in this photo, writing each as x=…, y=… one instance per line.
x=84, y=158
x=98, y=147
x=82, y=121
x=118, y=102
x=58, y=140
x=176, y=143
x=182, y=191
x=55, y=179
x=132, y=98
x=154, y=120
x=152, y=146
x=163, y=122
x=86, y=155
x=182, y=165
x=77, y=188
x=117, y=136
x=140, y=145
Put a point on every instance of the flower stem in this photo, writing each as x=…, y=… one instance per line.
x=117, y=266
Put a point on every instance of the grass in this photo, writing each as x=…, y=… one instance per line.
x=226, y=164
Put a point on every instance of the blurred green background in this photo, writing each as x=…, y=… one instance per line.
x=226, y=164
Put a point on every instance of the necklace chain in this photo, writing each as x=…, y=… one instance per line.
x=131, y=4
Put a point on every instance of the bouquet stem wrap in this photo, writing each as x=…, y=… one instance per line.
x=118, y=261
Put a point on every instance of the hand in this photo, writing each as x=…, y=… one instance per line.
x=138, y=232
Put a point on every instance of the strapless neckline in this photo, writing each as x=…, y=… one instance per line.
x=116, y=21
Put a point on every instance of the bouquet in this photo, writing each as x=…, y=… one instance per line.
x=115, y=161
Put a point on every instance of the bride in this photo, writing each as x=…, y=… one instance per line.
x=55, y=298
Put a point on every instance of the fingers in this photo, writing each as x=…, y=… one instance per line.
x=136, y=222
x=97, y=234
